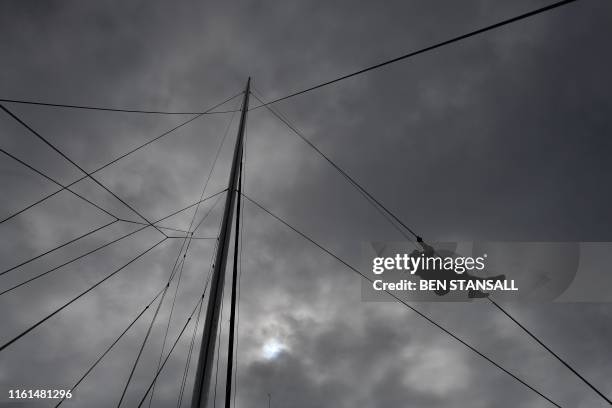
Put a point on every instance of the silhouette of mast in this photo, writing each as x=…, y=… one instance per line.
x=211, y=323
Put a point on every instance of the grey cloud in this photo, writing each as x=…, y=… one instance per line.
x=502, y=137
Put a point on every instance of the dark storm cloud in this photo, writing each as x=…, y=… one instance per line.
x=501, y=137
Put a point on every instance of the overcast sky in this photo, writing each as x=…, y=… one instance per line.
x=504, y=137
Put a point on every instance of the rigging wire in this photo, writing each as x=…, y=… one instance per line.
x=192, y=238
x=171, y=350
x=367, y=195
x=116, y=219
x=108, y=109
x=188, y=359
x=112, y=345
x=152, y=322
x=188, y=237
x=154, y=318
x=566, y=364
x=161, y=227
x=120, y=157
x=189, y=354
x=102, y=246
x=382, y=209
x=418, y=312
x=17, y=159
x=426, y=49
x=27, y=261
x=95, y=180
x=56, y=311
x=144, y=341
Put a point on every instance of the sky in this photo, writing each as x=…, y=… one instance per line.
x=502, y=137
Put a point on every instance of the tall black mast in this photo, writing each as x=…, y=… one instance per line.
x=207, y=349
